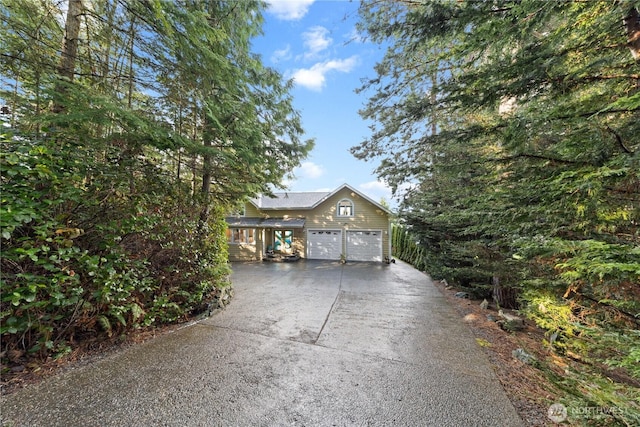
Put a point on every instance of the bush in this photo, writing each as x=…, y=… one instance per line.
x=91, y=250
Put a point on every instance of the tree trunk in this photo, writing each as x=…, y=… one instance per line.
x=38, y=101
x=505, y=297
x=207, y=141
x=131, y=53
x=632, y=22
x=194, y=160
x=434, y=98
x=14, y=100
x=69, y=49
x=206, y=186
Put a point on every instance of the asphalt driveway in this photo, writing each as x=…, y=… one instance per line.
x=302, y=344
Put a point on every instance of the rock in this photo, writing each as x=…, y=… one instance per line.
x=491, y=318
x=523, y=356
x=484, y=304
x=219, y=301
x=511, y=323
x=462, y=295
x=18, y=368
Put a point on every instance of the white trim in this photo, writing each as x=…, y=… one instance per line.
x=244, y=232
x=359, y=193
x=389, y=240
x=353, y=208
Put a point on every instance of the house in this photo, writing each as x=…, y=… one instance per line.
x=341, y=224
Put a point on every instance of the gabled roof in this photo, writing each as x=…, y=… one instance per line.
x=305, y=200
x=290, y=200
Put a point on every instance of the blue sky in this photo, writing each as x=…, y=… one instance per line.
x=315, y=43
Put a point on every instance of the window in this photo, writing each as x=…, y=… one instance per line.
x=282, y=240
x=240, y=236
x=345, y=207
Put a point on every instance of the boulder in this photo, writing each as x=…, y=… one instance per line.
x=510, y=322
x=523, y=356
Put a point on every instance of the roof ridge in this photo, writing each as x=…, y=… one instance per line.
x=289, y=192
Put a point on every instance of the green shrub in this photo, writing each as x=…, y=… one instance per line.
x=85, y=254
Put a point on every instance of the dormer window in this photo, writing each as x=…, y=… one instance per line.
x=345, y=207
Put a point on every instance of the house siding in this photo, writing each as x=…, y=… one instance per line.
x=251, y=210
x=244, y=252
x=367, y=217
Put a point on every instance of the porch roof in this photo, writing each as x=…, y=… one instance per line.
x=242, y=222
x=282, y=223
x=256, y=222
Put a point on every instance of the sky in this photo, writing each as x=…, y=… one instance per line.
x=315, y=43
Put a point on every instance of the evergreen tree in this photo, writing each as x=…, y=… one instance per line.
x=515, y=126
x=131, y=129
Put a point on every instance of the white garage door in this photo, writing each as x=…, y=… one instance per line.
x=324, y=244
x=364, y=246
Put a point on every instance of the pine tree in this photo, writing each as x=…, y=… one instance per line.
x=134, y=127
x=522, y=155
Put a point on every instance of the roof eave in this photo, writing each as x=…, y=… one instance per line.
x=287, y=208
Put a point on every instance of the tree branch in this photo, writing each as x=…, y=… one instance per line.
x=541, y=157
x=619, y=139
x=630, y=316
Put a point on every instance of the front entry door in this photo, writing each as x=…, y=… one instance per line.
x=282, y=241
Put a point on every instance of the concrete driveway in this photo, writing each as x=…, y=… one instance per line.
x=302, y=344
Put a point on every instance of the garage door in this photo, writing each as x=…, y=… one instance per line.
x=364, y=246
x=324, y=244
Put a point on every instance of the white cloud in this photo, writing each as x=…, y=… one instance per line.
x=375, y=186
x=316, y=39
x=314, y=78
x=281, y=54
x=377, y=190
x=309, y=170
x=289, y=10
